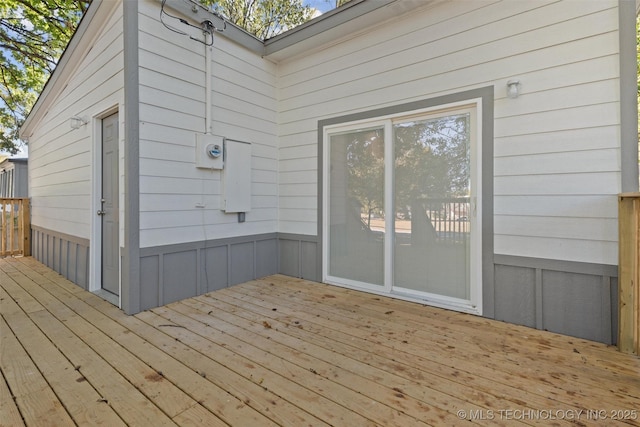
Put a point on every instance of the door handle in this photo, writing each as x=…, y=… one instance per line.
x=101, y=212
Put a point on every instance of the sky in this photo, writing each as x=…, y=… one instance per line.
x=22, y=153
x=321, y=5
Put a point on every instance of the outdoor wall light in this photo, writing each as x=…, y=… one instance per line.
x=513, y=89
x=77, y=122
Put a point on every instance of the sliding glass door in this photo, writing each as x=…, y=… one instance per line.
x=357, y=228
x=432, y=197
x=401, y=206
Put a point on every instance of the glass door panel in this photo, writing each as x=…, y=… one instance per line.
x=432, y=193
x=356, y=216
x=401, y=207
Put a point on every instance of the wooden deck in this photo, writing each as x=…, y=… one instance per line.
x=283, y=351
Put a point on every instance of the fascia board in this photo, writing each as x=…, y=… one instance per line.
x=326, y=22
x=200, y=14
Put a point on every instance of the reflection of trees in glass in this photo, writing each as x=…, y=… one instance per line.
x=432, y=159
x=431, y=162
x=365, y=164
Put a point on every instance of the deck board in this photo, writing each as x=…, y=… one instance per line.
x=200, y=376
x=9, y=413
x=409, y=372
x=284, y=351
x=37, y=402
x=84, y=363
x=292, y=363
x=345, y=372
x=573, y=382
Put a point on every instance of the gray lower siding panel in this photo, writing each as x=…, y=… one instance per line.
x=150, y=282
x=516, y=287
x=174, y=272
x=289, y=258
x=577, y=299
x=298, y=256
x=63, y=253
x=242, y=261
x=266, y=257
x=214, y=268
x=179, y=275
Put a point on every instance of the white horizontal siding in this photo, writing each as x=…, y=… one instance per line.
x=558, y=248
x=73, y=145
x=563, y=206
x=291, y=150
x=376, y=66
x=172, y=185
x=298, y=202
x=556, y=147
x=586, y=161
x=156, y=202
x=216, y=229
x=574, y=228
x=58, y=189
x=299, y=177
x=91, y=97
x=572, y=140
x=557, y=184
x=378, y=93
x=372, y=93
x=178, y=202
x=63, y=201
x=60, y=158
x=101, y=75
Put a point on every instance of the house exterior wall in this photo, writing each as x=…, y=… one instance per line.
x=557, y=165
x=172, y=111
x=61, y=159
x=188, y=244
x=14, y=178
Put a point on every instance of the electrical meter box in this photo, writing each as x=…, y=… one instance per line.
x=209, y=151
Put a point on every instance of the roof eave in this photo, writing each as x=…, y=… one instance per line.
x=80, y=37
x=200, y=14
x=325, y=22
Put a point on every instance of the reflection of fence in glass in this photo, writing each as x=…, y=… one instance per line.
x=445, y=219
x=450, y=218
x=14, y=227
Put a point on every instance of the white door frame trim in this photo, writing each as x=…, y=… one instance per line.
x=475, y=304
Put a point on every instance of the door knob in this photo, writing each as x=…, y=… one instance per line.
x=101, y=212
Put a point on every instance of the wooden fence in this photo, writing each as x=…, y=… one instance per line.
x=15, y=227
x=629, y=273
